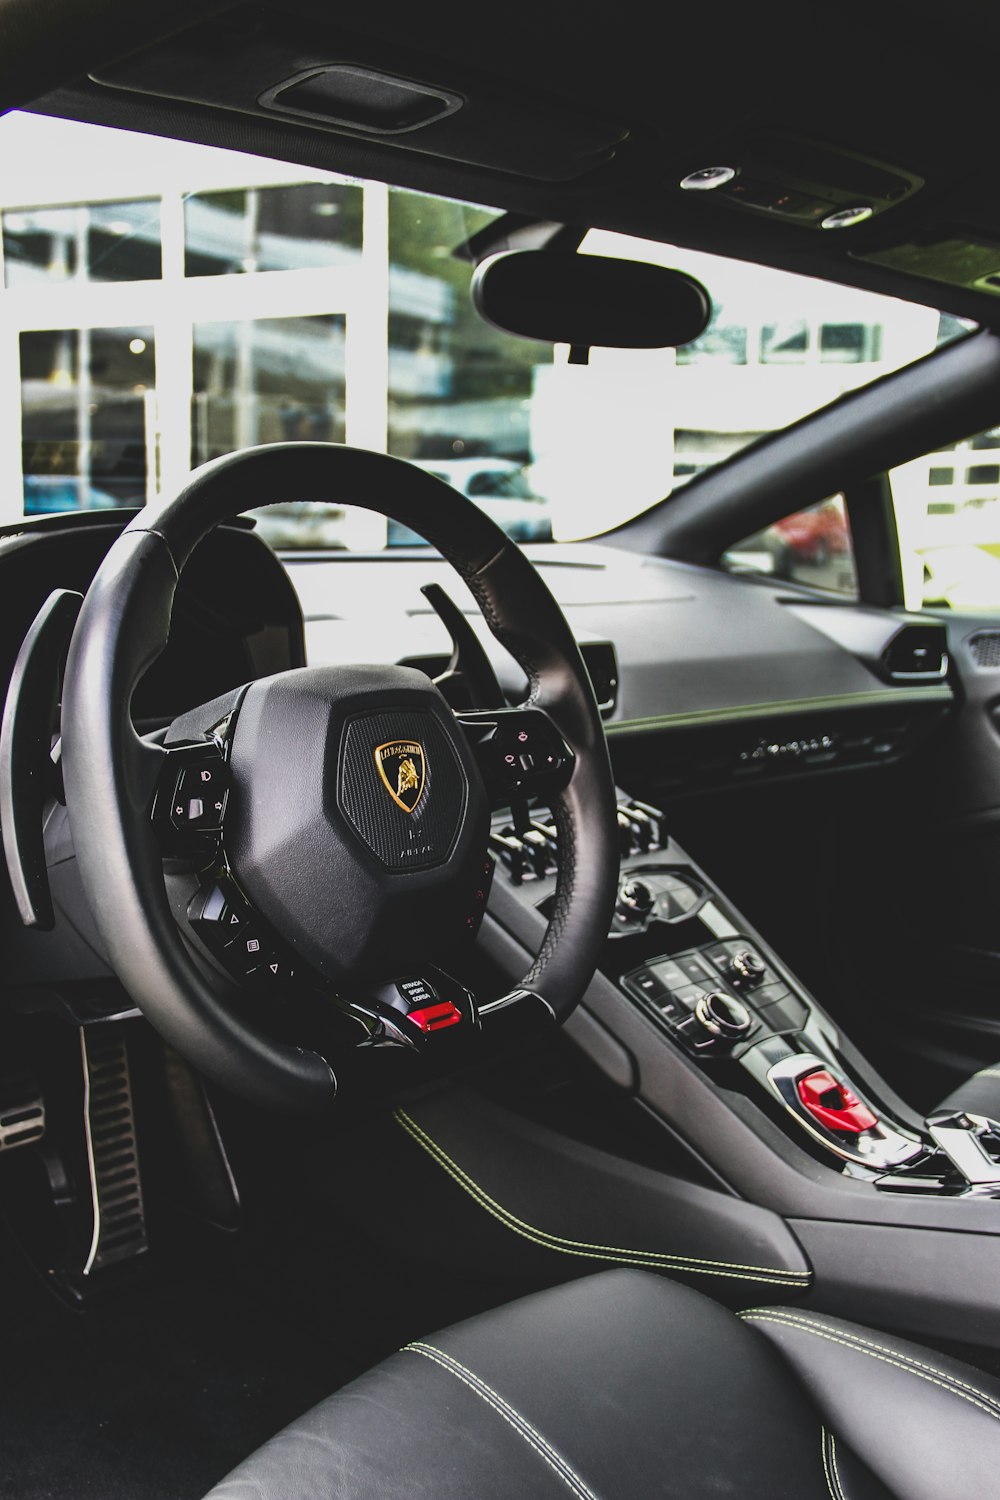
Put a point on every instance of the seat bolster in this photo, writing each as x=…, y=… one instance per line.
x=594, y=1390
x=926, y=1425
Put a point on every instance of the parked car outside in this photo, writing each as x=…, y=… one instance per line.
x=500, y=487
x=46, y=494
x=816, y=534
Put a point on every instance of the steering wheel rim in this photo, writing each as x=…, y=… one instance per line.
x=110, y=772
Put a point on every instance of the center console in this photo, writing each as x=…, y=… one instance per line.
x=687, y=961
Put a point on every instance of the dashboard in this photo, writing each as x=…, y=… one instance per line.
x=703, y=677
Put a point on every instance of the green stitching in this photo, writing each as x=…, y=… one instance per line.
x=797, y=1319
x=509, y=1413
x=944, y=1381
x=649, y=1259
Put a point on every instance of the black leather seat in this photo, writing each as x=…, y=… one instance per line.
x=978, y=1095
x=622, y=1386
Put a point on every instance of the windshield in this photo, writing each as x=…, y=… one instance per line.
x=164, y=303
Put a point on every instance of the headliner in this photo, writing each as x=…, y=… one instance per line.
x=888, y=82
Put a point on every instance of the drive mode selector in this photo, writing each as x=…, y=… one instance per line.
x=746, y=969
x=635, y=899
x=722, y=1015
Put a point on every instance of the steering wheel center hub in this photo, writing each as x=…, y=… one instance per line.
x=357, y=821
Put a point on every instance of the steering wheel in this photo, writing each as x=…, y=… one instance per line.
x=308, y=849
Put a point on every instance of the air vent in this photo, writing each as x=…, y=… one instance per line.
x=917, y=653
x=601, y=661
x=985, y=648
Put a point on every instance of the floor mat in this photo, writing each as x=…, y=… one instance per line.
x=153, y=1396
x=157, y=1391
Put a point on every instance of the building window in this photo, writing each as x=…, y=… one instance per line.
x=850, y=343
x=940, y=474
x=95, y=241
x=784, y=343
x=983, y=474
x=722, y=342
x=87, y=422
x=307, y=226
x=267, y=380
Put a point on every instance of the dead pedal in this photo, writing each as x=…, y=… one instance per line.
x=112, y=1147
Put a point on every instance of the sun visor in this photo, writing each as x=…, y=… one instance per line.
x=958, y=257
x=260, y=65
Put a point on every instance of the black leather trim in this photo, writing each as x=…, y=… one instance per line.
x=927, y=1426
x=616, y=1387
x=524, y=1201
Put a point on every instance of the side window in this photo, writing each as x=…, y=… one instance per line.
x=947, y=506
x=811, y=546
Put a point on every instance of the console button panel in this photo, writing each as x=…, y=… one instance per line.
x=675, y=985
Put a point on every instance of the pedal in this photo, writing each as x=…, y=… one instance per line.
x=119, y=1231
x=22, y=1111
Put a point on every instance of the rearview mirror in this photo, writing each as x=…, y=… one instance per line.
x=587, y=300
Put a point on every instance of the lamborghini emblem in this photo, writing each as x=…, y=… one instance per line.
x=400, y=764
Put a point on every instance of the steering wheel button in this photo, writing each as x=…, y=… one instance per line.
x=274, y=970
x=200, y=799
x=248, y=953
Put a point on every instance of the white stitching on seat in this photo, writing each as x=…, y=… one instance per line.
x=902, y=1362
x=510, y=1415
x=826, y=1466
x=830, y=1465
x=657, y=1260
x=793, y=1316
x=836, y=1468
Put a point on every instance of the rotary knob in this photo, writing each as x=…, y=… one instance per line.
x=723, y=1016
x=635, y=899
x=746, y=969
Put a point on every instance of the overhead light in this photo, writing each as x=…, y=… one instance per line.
x=845, y=217
x=707, y=178
x=137, y=346
x=116, y=226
